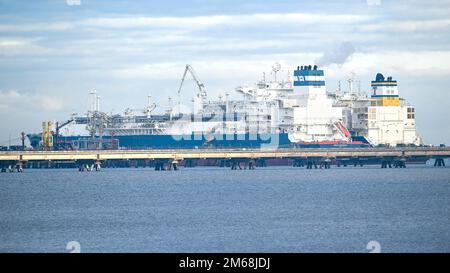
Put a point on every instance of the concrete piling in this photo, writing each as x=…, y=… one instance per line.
x=439, y=162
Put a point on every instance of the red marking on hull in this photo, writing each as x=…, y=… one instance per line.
x=330, y=142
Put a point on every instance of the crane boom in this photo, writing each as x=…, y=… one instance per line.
x=201, y=86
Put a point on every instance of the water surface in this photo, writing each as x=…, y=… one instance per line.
x=273, y=209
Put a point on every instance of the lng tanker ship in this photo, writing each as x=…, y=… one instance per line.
x=296, y=111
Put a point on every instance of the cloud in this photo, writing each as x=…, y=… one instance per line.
x=417, y=64
x=409, y=25
x=115, y=51
x=190, y=23
x=199, y=22
x=73, y=2
x=13, y=99
x=20, y=46
x=338, y=54
x=248, y=69
x=112, y=37
x=51, y=103
x=37, y=27
x=155, y=22
x=7, y=98
x=373, y=2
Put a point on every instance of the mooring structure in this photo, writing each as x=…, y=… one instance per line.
x=88, y=160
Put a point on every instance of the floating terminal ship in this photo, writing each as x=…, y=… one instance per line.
x=296, y=111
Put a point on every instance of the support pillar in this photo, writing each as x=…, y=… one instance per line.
x=261, y=163
x=439, y=162
x=86, y=165
x=251, y=164
x=298, y=162
x=159, y=165
x=236, y=164
x=310, y=164
x=327, y=163
x=19, y=167
x=174, y=165
x=233, y=165
x=3, y=167
x=190, y=163
x=97, y=166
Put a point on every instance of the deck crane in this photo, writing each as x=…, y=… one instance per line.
x=58, y=127
x=202, y=94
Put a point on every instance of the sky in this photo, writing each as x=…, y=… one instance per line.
x=53, y=53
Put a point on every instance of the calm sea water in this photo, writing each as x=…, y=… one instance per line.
x=274, y=209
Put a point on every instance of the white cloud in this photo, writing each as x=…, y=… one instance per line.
x=13, y=99
x=409, y=25
x=246, y=70
x=105, y=36
x=155, y=22
x=51, y=103
x=37, y=27
x=338, y=54
x=198, y=22
x=73, y=2
x=8, y=98
x=189, y=22
x=407, y=63
x=20, y=46
x=421, y=63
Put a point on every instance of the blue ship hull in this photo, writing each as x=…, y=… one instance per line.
x=192, y=141
x=280, y=140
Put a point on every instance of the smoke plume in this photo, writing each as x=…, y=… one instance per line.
x=338, y=54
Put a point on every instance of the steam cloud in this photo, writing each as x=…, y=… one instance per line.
x=339, y=54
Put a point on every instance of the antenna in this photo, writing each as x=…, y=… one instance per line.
x=93, y=94
x=351, y=80
x=97, y=103
x=226, y=101
x=149, y=100
x=275, y=68
x=170, y=108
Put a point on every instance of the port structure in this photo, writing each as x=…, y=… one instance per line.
x=92, y=160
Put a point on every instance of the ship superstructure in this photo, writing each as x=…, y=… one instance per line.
x=390, y=119
x=315, y=117
x=279, y=112
x=382, y=116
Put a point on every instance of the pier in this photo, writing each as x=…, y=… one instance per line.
x=93, y=160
